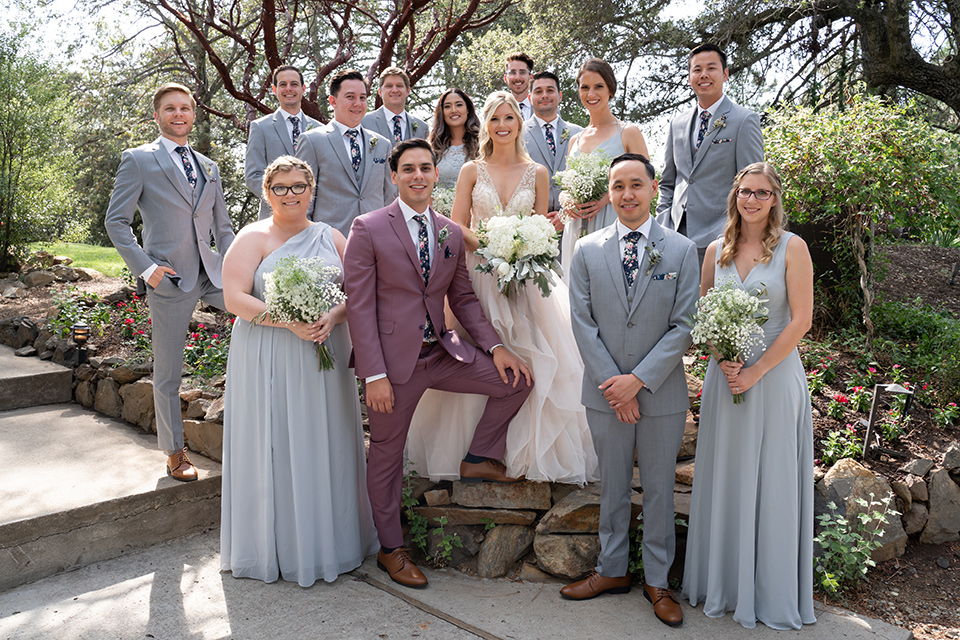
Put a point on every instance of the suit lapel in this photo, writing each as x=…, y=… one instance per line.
x=173, y=173
x=366, y=158
x=654, y=242
x=280, y=126
x=611, y=252
x=537, y=133
x=340, y=150
x=561, y=144
x=722, y=112
x=399, y=225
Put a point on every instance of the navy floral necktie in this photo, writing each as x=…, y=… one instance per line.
x=354, y=149
x=295, y=121
x=630, y=264
x=423, y=248
x=187, y=166
x=704, y=121
x=397, y=132
x=548, y=134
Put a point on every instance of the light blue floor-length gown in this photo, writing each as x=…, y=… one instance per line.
x=750, y=541
x=294, y=501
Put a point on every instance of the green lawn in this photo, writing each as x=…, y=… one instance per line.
x=106, y=260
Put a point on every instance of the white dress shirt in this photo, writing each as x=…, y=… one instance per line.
x=342, y=128
x=644, y=229
x=286, y=120
x=696, y=123
x=526, y=107
x=391, y=115
x=553, y=124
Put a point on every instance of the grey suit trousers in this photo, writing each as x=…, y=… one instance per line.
x=656, y=441
x=170, y=311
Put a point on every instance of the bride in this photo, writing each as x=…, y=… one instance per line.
x=548, y=440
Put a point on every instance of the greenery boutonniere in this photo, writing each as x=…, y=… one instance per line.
x=443, y=236
x=415, y=125
x=373, y=142
x=720, y=122
x=654, y=255
x=565, y=135
x=209, y=167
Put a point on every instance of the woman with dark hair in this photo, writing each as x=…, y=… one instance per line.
x=455, y=134
x=596, y=86
x=750, y=543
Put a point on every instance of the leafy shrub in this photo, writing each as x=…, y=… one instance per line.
x=846, y=547
x=841, y=444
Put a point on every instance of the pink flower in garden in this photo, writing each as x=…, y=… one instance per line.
x=816, y=462
x=896, y=366
x=857, y=389
x=149, y=320
x=140, y=332
x=842, y=399
x=851, y=428
x=194, y=335
x=952, y=404
x=201, y=326
x=871, y=369
x=215, y=336
x=128, y=321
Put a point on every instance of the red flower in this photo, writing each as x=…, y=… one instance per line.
x=128, y=321
x=857, y=389
x=871, y=370
x=195, y=335
x=201, y=326
x=842, y=399
x=215, y=336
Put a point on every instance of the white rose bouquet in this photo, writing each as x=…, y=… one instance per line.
x=728, y=320
x=584, y=180
x=302, y=290
x=518, y=249
x=443, y=200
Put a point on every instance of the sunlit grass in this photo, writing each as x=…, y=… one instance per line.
x=106, y=260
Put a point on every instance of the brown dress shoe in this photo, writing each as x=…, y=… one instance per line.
x=401, y=568
x=180, y=468
x=486, y=471
x=594, y=585
x=665, y=606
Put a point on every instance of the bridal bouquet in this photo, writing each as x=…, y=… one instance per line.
x=443, y=200
x=584, y=180
x=729, y=320
x=302, y=290
x=518, y=249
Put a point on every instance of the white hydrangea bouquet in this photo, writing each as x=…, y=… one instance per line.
x=729, y=321
x=443, y=200
x=584, y=180
x=518, y=249
x=301, y=290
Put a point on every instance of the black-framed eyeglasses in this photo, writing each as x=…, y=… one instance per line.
x=282, y=189
x=744, y=194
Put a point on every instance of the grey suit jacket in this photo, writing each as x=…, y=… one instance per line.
x=643, y=332
x=342, y=194
x=699, y=184
x=178, y=222
x=377, y=121
x=539, y=151
x=268, y=140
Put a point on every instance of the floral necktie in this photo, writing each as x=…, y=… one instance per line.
x=397, y=133
x=295, y=121
x=630, y=264
x=423, y=248
x=187, y=166
x=354, y=149
x=548, y=134
x=704, y=121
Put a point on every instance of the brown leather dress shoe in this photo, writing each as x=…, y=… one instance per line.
x=180, y=468
x=401, y=568
x=594, y=585
x=486, y=471
x=665, y=606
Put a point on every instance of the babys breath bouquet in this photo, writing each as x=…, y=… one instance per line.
x=517, y=249
x=302, y=290
x=443, y=200
x=584, y=180
x=729, y=320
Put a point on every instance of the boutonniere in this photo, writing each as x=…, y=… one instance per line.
x=564, y=135
x=209, y=168
x=442, y=236
x=415, y=125
x=307, y=126
x=373, y=142
x=654, y=256
x=719, y=123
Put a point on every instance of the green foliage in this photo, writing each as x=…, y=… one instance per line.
x=841, y=444
x=206, y=352
x=946, y=415
x=134, y=318
x=838, y=406
x=417, y=522
x=846, y=544
x=860, y=398
x=635, y=561
x=850, y=172
x=106, y=260
x=36, y=163
x=446, y=542
x=488, y=524
x=75, y=307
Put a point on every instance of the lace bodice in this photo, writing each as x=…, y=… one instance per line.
x=487, y=202
x=449, y=165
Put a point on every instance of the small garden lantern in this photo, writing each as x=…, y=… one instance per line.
x=80, y=334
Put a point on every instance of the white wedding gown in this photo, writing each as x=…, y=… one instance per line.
x=548, y=440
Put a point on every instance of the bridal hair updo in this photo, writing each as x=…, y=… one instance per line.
x=286, y=164
x=601, y=68
x=775, y=221
x=440, y=136
x=494, y=100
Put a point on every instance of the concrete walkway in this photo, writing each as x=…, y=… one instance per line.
x=175, y=590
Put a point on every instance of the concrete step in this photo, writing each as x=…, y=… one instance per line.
x=77, y=488
x=29, y=382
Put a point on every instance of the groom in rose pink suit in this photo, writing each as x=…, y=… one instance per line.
x=399, y=264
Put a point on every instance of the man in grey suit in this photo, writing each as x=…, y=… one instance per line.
x=547, y=136
x=348, y=161
x=277, y=134
x=706, y=147
x=632, y=286
x=392, y=120
x=516, y=75
x=180, y=198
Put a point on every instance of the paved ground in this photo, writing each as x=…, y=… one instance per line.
x=175, y=590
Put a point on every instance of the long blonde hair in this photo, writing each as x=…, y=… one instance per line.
x=494, y=100
x=775, y=222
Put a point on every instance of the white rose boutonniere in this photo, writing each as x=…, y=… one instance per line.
x=654, y=255
x=373, y=142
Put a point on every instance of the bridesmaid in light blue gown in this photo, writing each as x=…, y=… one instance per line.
x=605, y=134
x=750, y=541
x=454, y=135
x=294, y=499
